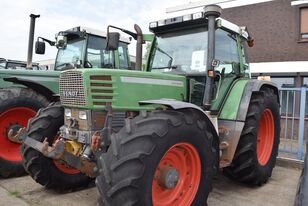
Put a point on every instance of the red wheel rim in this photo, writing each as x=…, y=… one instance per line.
x=265, y=139
x=64, y=167
x=18, y=117
x=185, y=159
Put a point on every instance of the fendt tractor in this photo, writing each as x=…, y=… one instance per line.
x=24, y=92
x=158, y=136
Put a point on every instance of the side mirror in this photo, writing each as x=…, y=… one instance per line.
x=113, y=39
x=39, y=47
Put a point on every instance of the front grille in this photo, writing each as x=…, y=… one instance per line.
x=102, y=89
x=71, y=88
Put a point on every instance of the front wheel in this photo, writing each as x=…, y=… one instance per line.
x=45, y=171
x=162, y=159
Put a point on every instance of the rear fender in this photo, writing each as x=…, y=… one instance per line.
x=253, y=86
x=230, y=130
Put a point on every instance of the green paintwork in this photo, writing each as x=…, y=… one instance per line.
x=148, y=37
x=49, y=79
x=126, y=95
x=232, y=103
x=222, y=92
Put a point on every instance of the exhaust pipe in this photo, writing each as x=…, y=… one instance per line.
x=138, y=47
x=211, y=12
x=31, y=39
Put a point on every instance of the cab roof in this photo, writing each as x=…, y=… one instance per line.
x=193, y=20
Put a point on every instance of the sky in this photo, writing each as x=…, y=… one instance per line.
x=59, y=15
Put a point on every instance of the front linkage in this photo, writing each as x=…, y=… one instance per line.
x=93, y=144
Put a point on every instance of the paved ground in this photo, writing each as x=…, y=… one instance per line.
x=280, y=190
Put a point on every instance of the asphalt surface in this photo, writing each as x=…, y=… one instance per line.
x=280, y=190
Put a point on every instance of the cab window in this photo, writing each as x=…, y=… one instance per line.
x=226, y=52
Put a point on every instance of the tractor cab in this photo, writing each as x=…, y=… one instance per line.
x=181, y=47
x=82, y=47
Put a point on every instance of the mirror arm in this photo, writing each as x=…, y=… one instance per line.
x=134, y=35
x=51, y=43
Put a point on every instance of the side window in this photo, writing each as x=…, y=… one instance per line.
x=245, y=57
x=123, y=56
x=2, y=64
x=226, y=52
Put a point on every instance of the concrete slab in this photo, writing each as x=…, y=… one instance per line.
x=11, y=198
x=280, y=190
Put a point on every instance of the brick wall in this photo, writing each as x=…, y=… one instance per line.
x=275, y=28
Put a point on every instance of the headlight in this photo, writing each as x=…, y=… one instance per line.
x=67, y=112
x=82, y=115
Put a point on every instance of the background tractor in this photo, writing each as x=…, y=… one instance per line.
x=24, y=92
x=15, y=64
x=158, y=136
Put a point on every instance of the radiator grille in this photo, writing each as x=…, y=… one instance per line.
x=71, y=88
x=102, y=89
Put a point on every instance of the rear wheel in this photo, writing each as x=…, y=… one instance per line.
x=17, y=106
x=257, y=150
x=45, y=171
x=163, y=158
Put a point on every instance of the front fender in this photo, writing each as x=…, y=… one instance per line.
x=177, y=105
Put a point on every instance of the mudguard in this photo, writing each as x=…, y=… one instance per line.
x=34, y=86
x=176, y=105
x=252, y=86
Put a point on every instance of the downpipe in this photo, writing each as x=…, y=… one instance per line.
x=31, y=40
x=212, y=12
x=138, y=47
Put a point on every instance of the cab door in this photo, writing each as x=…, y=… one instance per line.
x=230, y=54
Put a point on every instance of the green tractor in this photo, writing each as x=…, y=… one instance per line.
x=158, y=136
x=24, y=92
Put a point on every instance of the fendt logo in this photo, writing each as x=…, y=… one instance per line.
x=70, y=93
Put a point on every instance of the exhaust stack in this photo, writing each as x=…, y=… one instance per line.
x=138, y=47
x=211, y=12
x=31, y=39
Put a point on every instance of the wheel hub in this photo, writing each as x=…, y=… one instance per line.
x=12, y=132
x=168, y=177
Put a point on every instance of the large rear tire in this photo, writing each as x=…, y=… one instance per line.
x=17, y=106
x=45, y=171
x=257, y=150
x=150, y=146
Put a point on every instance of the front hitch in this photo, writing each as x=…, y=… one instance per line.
x=57, y=152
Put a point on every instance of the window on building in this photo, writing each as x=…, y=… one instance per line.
x=306, y=81
x=304, y=23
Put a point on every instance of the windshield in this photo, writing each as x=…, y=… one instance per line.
x=95, y=56
x=70, y=55
x=98, y=57
x=182, y=51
